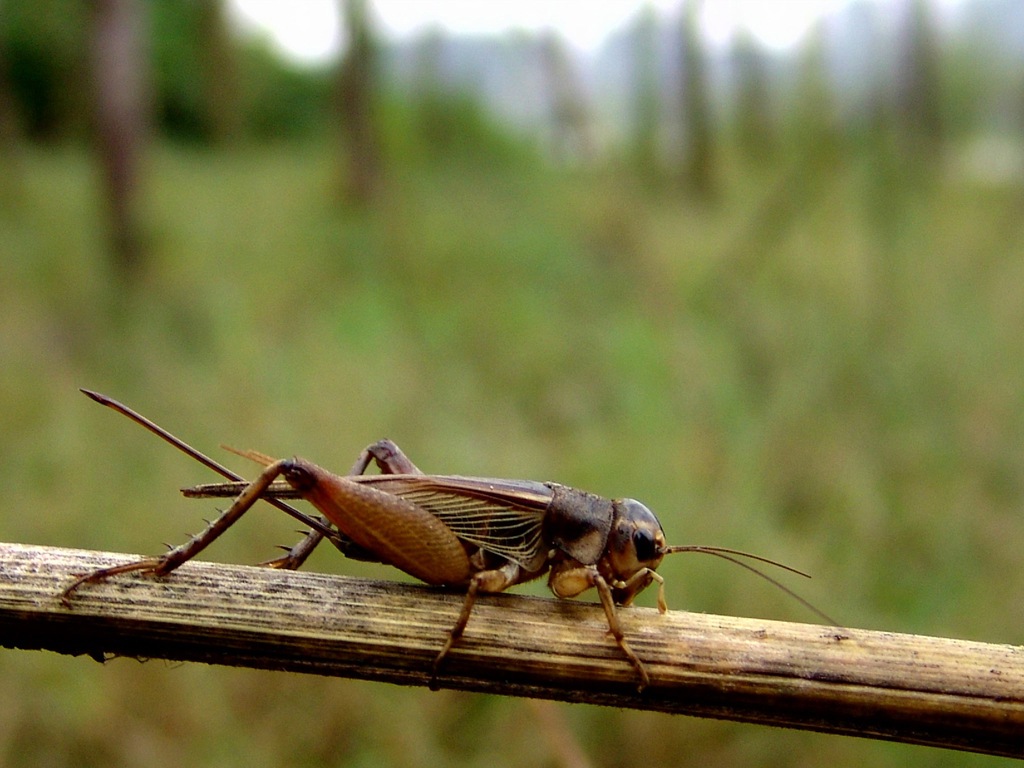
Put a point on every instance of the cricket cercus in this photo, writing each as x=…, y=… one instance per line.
x=478, y=534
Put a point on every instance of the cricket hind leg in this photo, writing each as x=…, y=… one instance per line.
x=391, y=460
x=164, y=564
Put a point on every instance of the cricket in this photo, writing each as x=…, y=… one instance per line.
x=477, y=535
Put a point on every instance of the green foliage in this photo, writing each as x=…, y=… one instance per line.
x=443, y=128
x=282, y=101
x=278, y=100
x=788, y=373
x=45, y=45
x=177, y=70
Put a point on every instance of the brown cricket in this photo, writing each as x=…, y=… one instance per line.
x=472, y=533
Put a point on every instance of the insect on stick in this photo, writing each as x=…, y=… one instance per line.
x=482, y=535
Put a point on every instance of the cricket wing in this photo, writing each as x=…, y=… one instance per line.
x=503, y=517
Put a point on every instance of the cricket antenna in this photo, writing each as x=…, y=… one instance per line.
x=734, y=555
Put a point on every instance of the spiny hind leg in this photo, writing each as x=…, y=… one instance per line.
x=164, y=564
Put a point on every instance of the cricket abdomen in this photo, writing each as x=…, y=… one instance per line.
x=400, y=532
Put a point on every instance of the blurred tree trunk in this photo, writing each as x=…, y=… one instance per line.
x=919, y=94
x=571, y=138
x=10, y=128
x=357, y=92
x=697, y=170
x=121, y=119
x=814, y=117
x=432, y=127
x=754, y=122
x=220, y=81
x=647, y=95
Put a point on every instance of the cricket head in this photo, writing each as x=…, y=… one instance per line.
x=635, y=548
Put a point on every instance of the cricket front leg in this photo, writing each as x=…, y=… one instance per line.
x=568, y=580
x=164, y=564
x=625, y=591
x=391, y=460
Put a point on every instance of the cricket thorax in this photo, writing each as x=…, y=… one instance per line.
x=578, y=523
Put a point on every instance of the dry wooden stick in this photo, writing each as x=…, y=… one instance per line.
x=922, y=690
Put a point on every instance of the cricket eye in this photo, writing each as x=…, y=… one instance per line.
x=643, y=543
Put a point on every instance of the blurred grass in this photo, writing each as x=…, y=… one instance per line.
x=803, y=371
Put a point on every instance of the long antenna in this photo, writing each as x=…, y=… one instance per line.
x=734, y=555
x=205, y=460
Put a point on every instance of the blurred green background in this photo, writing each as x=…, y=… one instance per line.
x=776, y=297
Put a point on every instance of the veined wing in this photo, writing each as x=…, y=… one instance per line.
x=503, y=517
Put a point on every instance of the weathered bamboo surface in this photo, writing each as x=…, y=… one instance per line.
x=908, y=688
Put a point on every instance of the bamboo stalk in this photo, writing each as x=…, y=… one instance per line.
x=909, y=688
